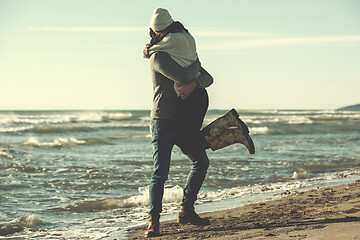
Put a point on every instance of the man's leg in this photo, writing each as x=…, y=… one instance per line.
x=200, y=164
x=194, y=182
x=162, y=132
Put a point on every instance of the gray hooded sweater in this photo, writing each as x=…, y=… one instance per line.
x=164, y=72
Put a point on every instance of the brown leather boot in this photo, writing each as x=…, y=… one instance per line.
x=187, y=214
x=154, y=225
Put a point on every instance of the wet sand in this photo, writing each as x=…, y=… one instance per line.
x=327, y=213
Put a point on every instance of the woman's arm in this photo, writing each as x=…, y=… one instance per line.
x=164, y=64
x=204, y=80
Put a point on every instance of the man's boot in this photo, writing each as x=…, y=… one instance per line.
x=187, y=214
x=153, y=229
x=229, y=137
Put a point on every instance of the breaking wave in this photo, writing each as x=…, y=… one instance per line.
x=5, y=153
x=336, y=117
x=259, y=130
x=56, y=129
x=330, y=166
x=171, y=194
x=73, y=128
x=56, y=118
x=18, y=225
x=60, y=142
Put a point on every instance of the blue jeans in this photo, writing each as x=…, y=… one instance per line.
x=163, y=132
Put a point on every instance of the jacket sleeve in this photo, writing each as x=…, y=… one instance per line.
x=165, y=65
x=204, y=80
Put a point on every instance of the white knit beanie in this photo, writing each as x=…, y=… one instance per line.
x=160, y=19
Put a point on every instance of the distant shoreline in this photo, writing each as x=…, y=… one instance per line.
x=355, y=107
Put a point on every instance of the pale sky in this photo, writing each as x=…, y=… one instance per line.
x=87, y=54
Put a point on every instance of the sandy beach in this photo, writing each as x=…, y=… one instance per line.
x=326, y=213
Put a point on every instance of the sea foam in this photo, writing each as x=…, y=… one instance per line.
x=60, y=142
x=18, y=225
x=171, y=195
x=259, y=130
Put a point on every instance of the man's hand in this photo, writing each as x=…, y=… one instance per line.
x=185, y=90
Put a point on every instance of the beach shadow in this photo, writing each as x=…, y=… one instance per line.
x=174, y=229
x=308, y=222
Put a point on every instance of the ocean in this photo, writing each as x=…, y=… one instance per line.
x=85, y=174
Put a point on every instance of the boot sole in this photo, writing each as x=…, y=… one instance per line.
x=187, y=221
x=152, y=235
x=182, y=221
x=250, y=146
x=234, y=113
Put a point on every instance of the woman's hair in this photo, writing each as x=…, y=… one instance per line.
x=173, y=28
x=158, y=36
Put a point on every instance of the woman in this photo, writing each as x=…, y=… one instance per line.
x=176, y=120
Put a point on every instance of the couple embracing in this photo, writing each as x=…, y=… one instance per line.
x=180, y=102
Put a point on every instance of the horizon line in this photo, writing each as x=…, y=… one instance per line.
x=141, y=109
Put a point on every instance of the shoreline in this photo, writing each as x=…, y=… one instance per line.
x=323, y=213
